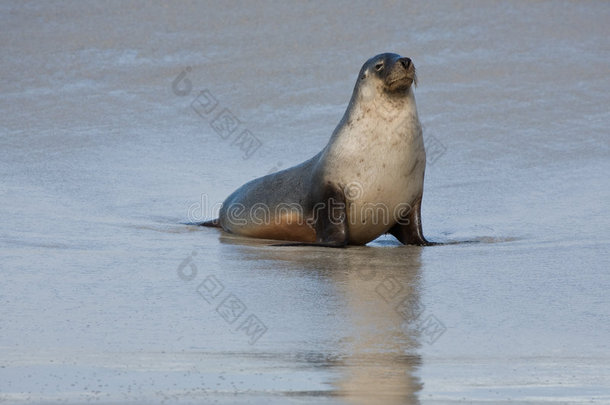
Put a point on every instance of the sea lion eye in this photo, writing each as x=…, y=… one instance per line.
x=379, y=66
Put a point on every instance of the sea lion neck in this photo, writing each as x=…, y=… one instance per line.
x=368, y=104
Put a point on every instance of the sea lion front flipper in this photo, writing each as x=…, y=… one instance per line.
x=409, y=231
x=330, y=217
x=329, y=220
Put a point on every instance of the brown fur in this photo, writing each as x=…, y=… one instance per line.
x=287, y=227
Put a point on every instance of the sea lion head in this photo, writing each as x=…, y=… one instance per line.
x=388, y=72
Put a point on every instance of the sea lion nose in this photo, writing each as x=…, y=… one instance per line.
x=405, y=62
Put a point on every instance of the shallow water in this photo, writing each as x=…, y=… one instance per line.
x=106, y=297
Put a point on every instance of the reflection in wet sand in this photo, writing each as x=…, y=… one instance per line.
x=376, y=357
x=380, y=355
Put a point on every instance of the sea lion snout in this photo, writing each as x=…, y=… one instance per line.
x=401, y=75
x=405, y=62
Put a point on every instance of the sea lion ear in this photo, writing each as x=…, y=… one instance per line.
x=363, y=75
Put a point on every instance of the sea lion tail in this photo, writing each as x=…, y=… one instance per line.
x=212, y=223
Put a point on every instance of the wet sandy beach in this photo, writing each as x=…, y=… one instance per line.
x=107, y=297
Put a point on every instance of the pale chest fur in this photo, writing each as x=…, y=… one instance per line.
x=378, y=158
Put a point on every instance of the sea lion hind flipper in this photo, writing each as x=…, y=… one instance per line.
x=212, y=223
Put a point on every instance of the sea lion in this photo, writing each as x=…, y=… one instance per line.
x=367, y=181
